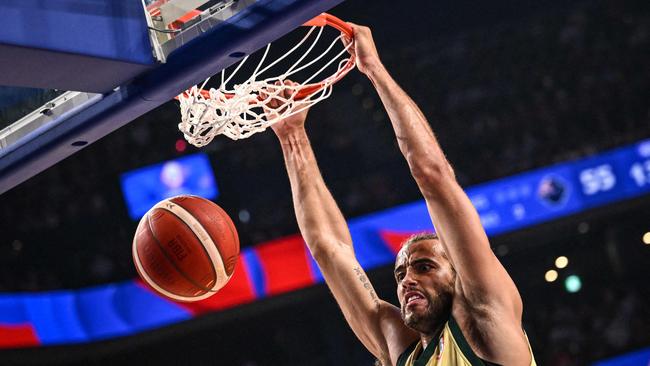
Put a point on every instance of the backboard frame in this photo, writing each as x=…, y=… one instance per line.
x=66, y=133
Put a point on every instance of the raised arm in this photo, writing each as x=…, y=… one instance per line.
x=492, y=300
x=375, y=322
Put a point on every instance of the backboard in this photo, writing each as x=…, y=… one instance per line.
x=71, y=72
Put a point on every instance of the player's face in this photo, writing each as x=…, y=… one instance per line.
x=425, y=285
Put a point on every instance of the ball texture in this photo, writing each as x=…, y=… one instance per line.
x=186, y=248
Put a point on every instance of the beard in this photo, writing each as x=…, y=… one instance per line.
x=429, y=319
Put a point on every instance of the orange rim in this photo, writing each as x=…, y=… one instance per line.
x=321, y=20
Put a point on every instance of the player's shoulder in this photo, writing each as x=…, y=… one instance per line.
x=489, y=333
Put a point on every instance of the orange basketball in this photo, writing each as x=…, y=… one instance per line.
x=186, y=248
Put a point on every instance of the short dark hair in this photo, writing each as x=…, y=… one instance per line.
x=426, y=235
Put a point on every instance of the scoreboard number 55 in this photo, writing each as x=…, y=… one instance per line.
x=597, y=179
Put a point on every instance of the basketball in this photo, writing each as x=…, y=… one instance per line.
x=186, y=248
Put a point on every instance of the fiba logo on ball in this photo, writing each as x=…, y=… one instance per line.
x=186, y=248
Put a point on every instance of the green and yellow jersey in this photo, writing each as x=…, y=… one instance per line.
x=451, y=350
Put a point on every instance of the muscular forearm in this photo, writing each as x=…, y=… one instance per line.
x=453, y=214
x=320, y=220
x=414, y=135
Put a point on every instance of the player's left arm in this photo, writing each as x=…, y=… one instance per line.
x=491, y=296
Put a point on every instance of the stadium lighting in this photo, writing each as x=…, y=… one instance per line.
x=561, y=262
x=244, y=216
x=551, y=275
x=573, y=284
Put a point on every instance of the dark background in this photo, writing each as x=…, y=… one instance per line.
x=508, y=86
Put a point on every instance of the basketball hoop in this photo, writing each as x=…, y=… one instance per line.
x=238, y=112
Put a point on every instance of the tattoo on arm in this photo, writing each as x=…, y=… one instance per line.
x=366, y=284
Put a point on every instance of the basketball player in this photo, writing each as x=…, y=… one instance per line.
x=458, y=305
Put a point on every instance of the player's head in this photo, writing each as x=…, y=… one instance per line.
x=425, y=282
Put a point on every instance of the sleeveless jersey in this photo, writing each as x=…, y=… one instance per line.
x=451, y=350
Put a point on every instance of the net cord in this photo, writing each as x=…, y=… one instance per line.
x=232, y=112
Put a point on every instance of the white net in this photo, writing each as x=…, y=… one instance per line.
x=239, y=111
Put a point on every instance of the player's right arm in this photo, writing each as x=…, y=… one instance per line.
x=376, y=323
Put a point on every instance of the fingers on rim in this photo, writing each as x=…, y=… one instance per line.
x=284, y=88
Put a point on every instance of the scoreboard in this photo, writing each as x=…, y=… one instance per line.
x=560, y=190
